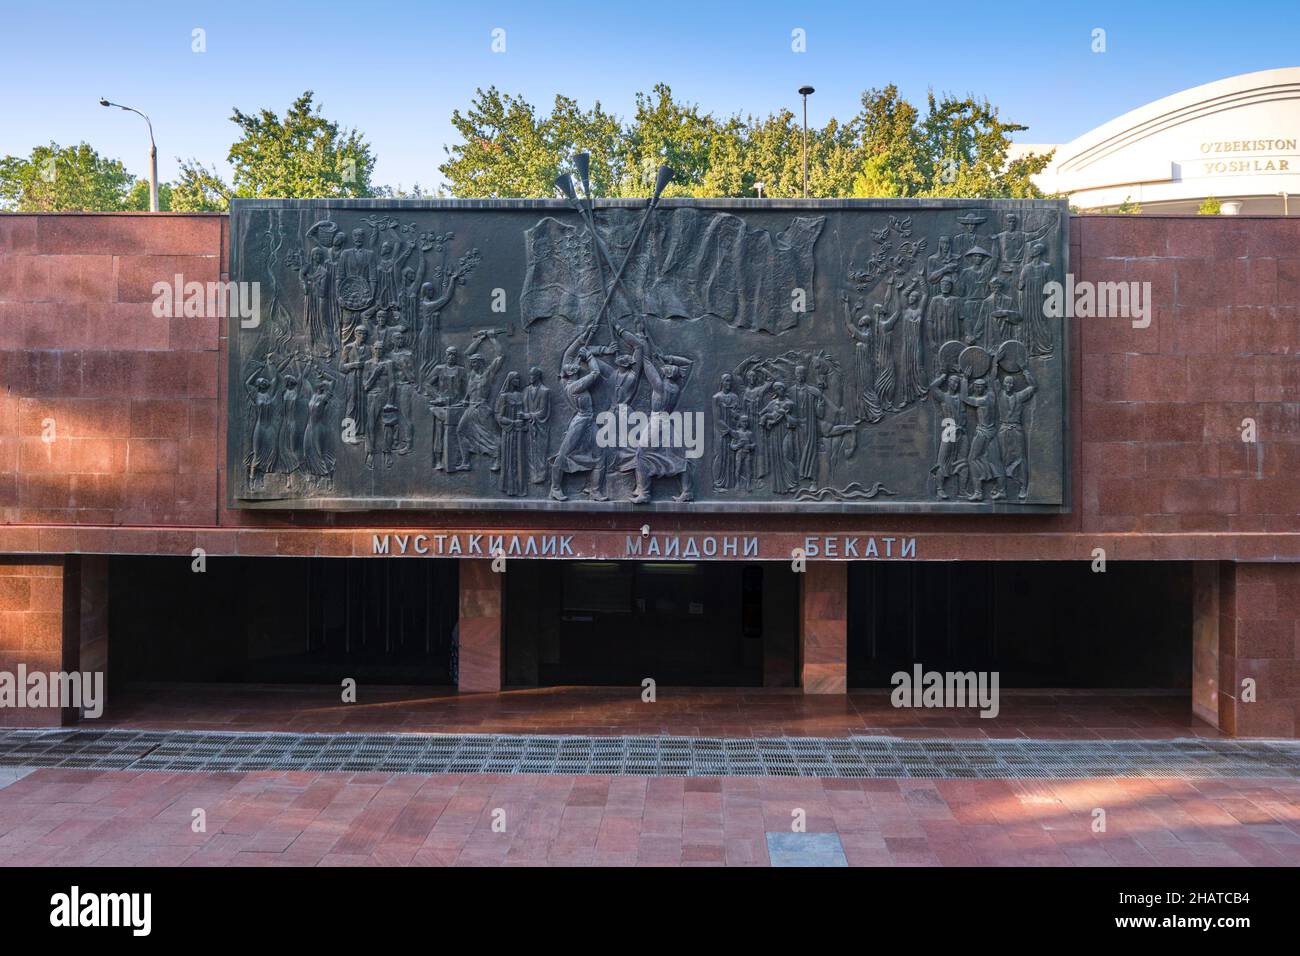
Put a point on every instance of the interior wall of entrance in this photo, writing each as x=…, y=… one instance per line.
x=1038, y=623
x=710, y=624
x=282, y=620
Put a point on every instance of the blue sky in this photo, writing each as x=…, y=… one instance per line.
x=396, y=70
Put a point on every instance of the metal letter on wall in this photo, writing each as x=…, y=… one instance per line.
x=689, y=355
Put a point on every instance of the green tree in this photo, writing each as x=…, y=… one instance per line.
x=61, y=179
x=137, y=198
x=834, y=160
x=509, y=150
x=303, y=156
x=960, y=147
x=504, y=153
x=965, y=147
x=891, y=159
x=664, y=130
x=569, y=130
x=1210, y=206
x=198, y=189
x=731, y=170
x=770, y=154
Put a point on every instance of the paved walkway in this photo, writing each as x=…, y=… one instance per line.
x=678, y=711
x=308, y=817
x=80, y=817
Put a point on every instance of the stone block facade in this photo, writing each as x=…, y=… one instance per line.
x=112, y=438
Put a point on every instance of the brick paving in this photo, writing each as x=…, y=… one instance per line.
x=79, y=817
x=279, y=818
x=684, y=712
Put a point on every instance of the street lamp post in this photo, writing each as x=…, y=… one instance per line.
x=805, y=92
x=153, y=154
x=759, y=186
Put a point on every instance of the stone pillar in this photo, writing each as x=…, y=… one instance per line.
x=479, y=627
x=823, y=627
x=1259, y=640
x=781, y=610
x=94, y=614
x=1205, y=641
x=32, y=629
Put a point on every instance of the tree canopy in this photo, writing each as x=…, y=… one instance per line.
x=58, y=178
x=957, y=146
x=889, y=148
x=302, y=156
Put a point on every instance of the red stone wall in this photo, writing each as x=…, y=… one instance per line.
x=479, y=624
x=132, y=398
x=136, y=401
x=823, y=628
x=1259, y=638
x=31, y=628
x=1162, y=407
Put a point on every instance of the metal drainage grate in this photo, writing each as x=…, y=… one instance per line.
x=853, y=757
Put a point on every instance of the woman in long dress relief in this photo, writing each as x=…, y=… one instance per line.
x=866, y=400
x=318, y=438
x=262, y=386
x=514, y=436
x=326, y=237
x=409, y=306
x=779, y=426
x=289, y=440
x=316, y=291
x=754, y=399
x=537, y=409
x=1033, y=281
x=912, y=383
x=884, y=359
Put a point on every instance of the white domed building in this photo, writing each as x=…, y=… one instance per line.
x=1236, y=140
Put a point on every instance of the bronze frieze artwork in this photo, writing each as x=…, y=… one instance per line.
x=711, y=355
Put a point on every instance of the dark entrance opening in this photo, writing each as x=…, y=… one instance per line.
x=281, y=620
x=1040, y=624
x=712, y=624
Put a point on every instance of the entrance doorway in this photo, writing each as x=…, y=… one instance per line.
x=282, y=620
x=1040, y=624
x=709, y=624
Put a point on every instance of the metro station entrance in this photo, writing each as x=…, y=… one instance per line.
x=282, y=621
x=1040, y=624
x=708, y=624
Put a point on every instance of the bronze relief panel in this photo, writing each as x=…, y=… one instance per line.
x=675, y=355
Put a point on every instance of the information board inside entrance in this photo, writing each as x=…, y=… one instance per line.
x=681, y=355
